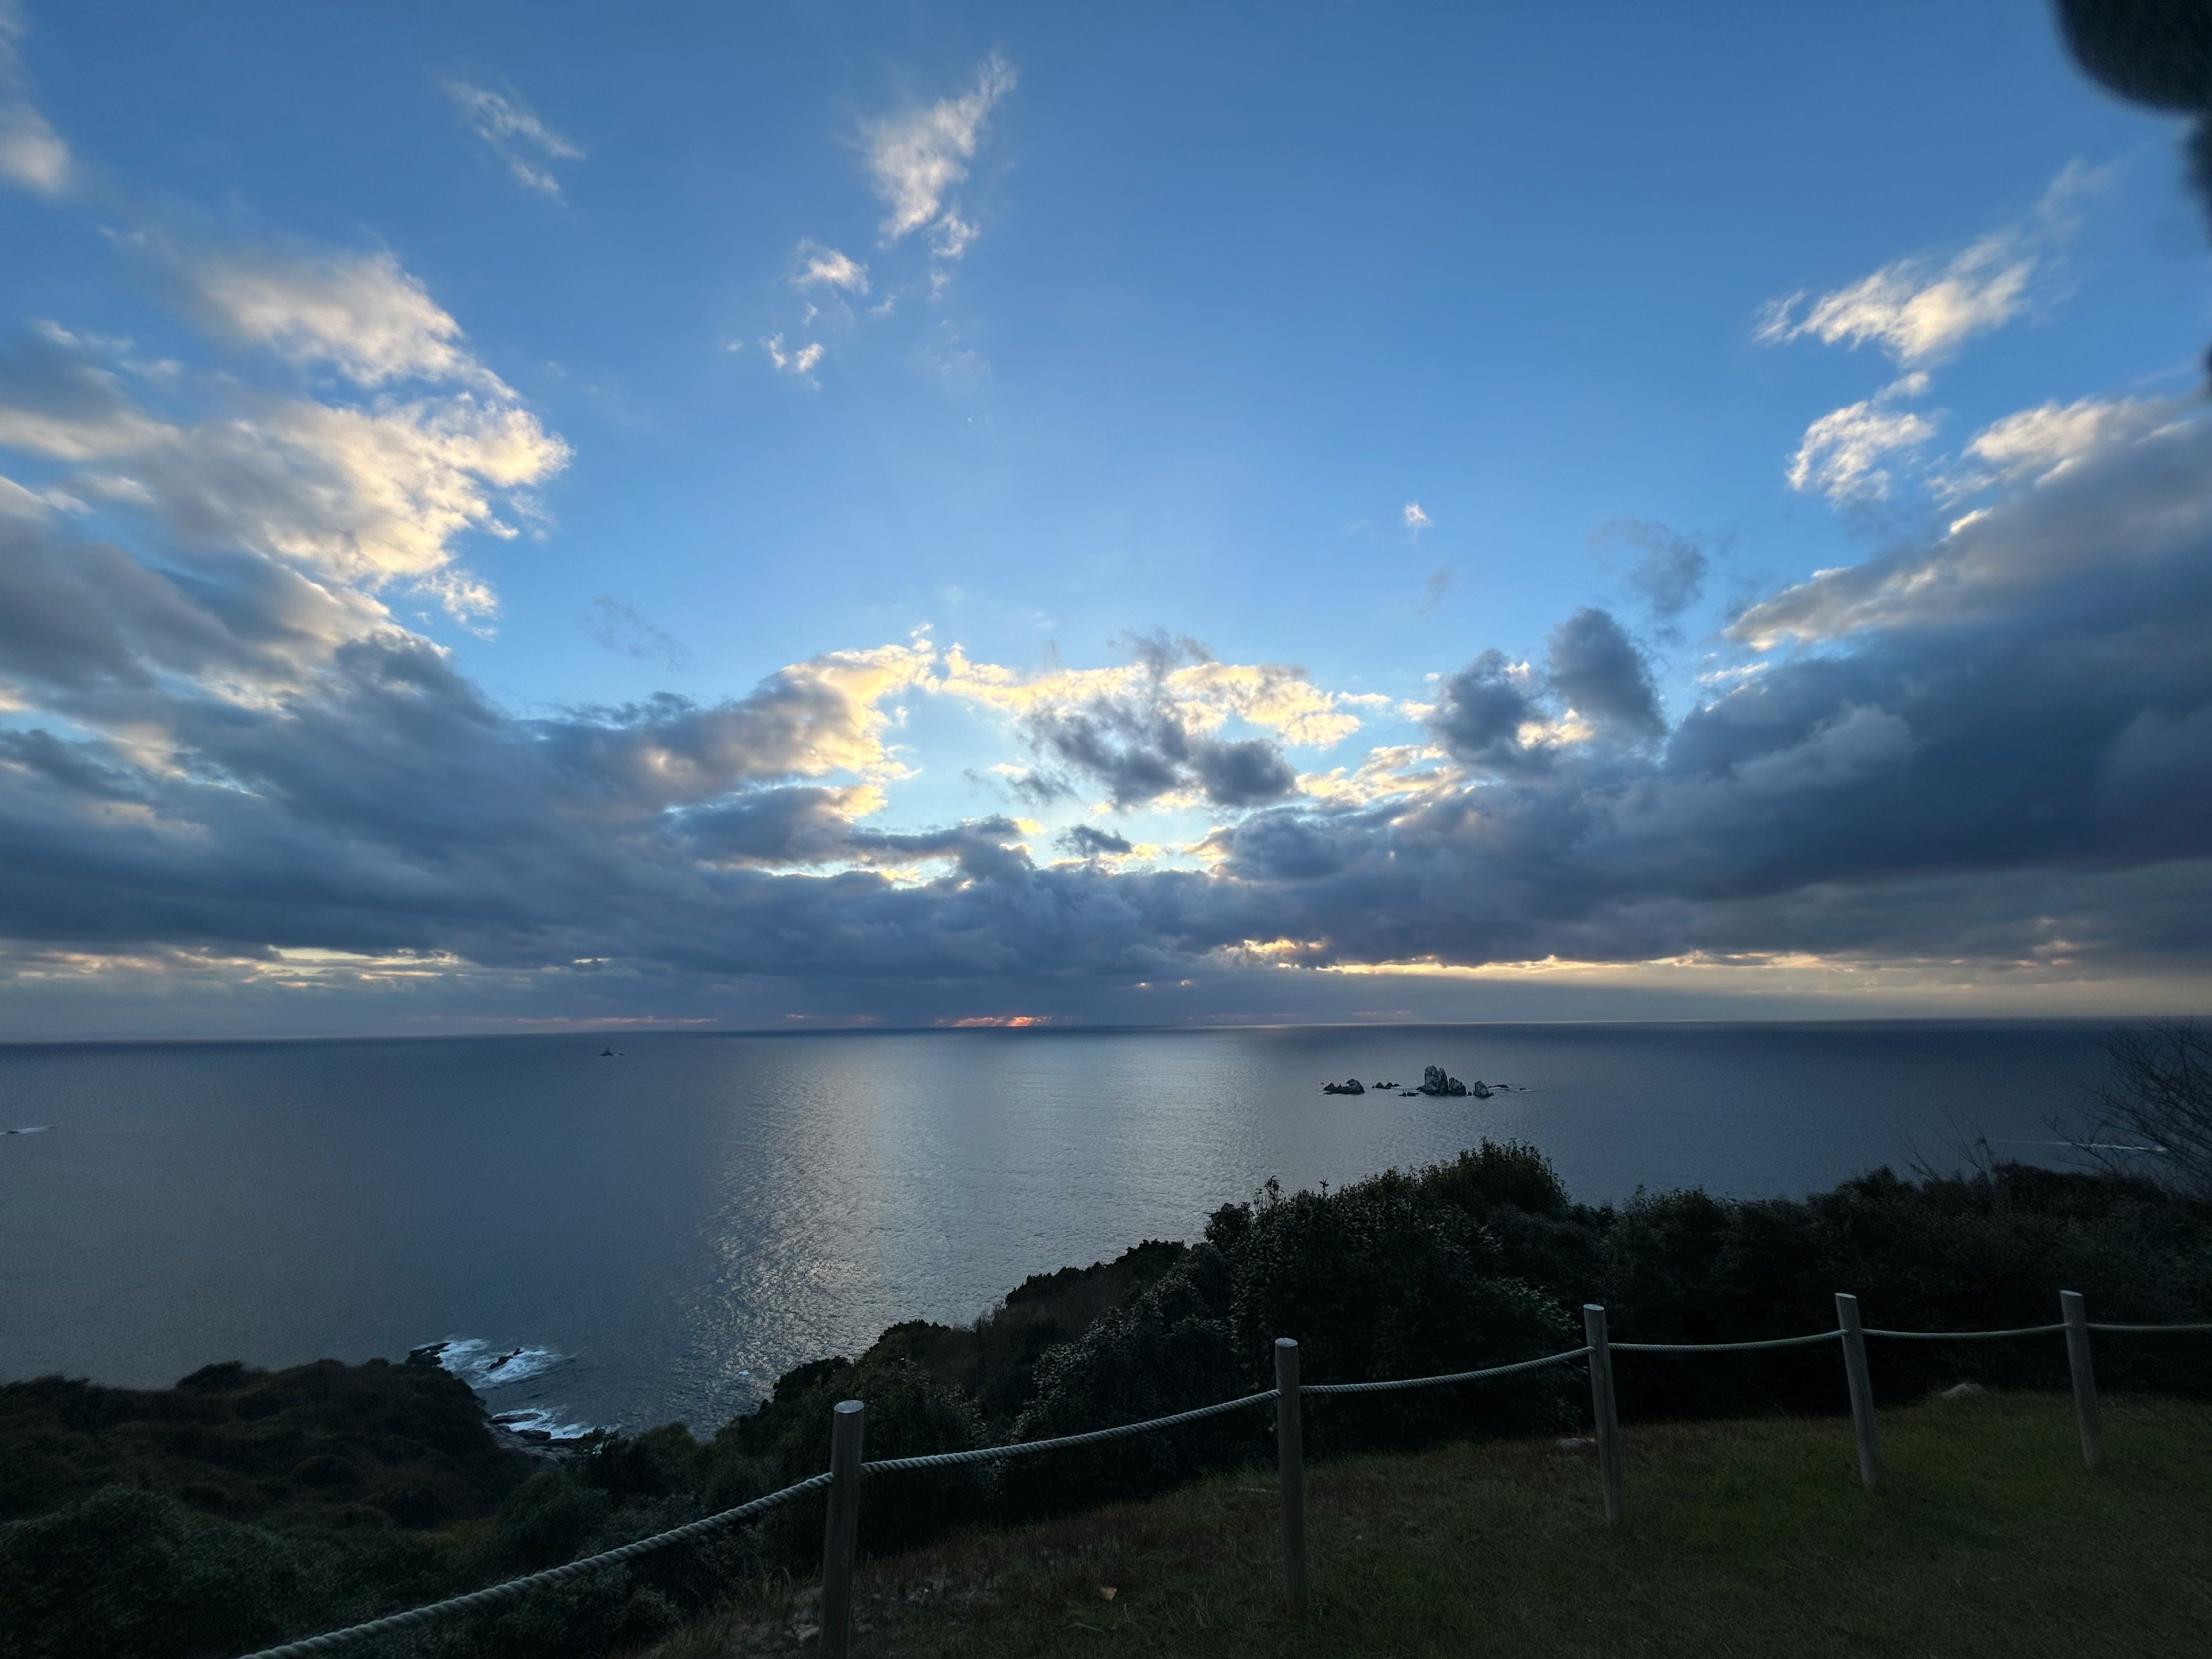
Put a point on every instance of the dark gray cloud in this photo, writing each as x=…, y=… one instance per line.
x=1593, y=669
x=1480, y=712
x=1137, y=745
x=1086, y=841
x=1603, y=675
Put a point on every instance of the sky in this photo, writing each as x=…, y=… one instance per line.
x=793, y=516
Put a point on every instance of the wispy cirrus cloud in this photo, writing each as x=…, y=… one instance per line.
x=33, y=155
x=619, y=628
x=1922, y=310
x=916, y=161
x=514, y=133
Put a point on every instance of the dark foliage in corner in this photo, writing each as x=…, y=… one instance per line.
x=326, y=1444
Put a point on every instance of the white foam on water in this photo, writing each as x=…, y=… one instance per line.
x=482, y=1366
x=477, y=1363
x=534, y=1420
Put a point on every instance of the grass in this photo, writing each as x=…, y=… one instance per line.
x=1748, y=1538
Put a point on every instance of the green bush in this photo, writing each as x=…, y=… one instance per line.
x=1170, y=1350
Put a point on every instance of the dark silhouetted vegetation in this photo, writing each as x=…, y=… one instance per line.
x=242, y=1506
x=2153, y=1113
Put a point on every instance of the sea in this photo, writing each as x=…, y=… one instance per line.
x=625, y=1238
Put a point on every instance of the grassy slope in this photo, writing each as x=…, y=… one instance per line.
x=1748, y=1538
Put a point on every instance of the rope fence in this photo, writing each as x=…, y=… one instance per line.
x=1437, y=1381
x=842, y=1478
x=490, y=1596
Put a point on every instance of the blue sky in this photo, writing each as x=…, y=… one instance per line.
x=756, y=515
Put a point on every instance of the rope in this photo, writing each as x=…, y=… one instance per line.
x=1725, y=1348
x=332, y=1641
x=1023, y=1447
x=1432, y=1382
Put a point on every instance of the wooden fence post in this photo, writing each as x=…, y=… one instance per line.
x=842, y=1528
x=1604, y=1409
x=2075, y=1313
x=1291, y=1466
x=1855, y=1372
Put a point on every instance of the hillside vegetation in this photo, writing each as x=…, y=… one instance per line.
x=1478, y=1262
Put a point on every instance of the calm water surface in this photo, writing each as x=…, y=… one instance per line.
x=665, y=1232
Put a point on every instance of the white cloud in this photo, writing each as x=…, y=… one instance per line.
x=916, y=161
x=1922, y=310
x=362, y=315
x=1417, y=520
x=2040, y=441
x=363, y=494
x=800, y=360
x=513, y=131
x=1918, y=314
x=17, y=501
x=2134, y=499
x=1840, y=457
x=31, y=154
x=816, y=266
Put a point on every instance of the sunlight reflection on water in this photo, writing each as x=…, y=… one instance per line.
x=687, y=1220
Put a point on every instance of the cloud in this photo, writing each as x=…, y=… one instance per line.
x=359, y=493
x=1842, y=453
x=1670, y=569
x=917, y=160
x=1603, y=677
x=1433, y=589
x=1504, y=719
x=2134, y=502
x=1488, y=714
x=1085, y=840
x=1986, y=754
x=2040, y=441
x=1416, y=520
x=1154, y=732
x=31, y=154
x=1922, y=310
x=514, y=133
x=620, y=629
x=800, y=360
x=362, y=315
x=18, y=502
x=816, y=266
